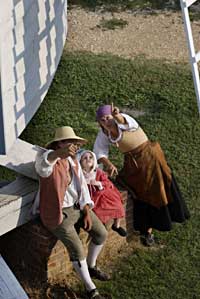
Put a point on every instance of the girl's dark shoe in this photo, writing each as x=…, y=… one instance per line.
x=119, y=230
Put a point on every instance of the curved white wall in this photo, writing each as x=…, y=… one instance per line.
x=32, y=37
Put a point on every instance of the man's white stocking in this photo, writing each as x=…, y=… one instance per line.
x=81, y=268
x=93, y=252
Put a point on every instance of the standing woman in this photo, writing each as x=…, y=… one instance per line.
x=145, y=171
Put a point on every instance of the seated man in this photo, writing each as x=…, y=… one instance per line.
x=65, y=205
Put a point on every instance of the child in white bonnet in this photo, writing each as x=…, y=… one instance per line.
x=107, y=199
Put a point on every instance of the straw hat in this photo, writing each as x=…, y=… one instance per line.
x=64, y=133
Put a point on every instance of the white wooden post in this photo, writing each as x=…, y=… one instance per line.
x=10, y=288
x=194, y=57
x=32, y=38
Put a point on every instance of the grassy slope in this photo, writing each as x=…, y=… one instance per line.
x=165, y=92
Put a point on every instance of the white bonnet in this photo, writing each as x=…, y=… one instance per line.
x=81, y=152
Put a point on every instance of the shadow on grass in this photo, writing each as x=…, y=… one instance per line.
x=116, y=5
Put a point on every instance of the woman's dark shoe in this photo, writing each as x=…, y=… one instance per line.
x=119, y=230
x=98, y=274
x=149, y=239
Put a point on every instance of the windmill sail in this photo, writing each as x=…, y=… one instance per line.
x=32, y=37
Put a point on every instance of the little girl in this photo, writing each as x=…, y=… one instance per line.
x=106, y=197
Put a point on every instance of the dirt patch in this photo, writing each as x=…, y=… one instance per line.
x=158, y=35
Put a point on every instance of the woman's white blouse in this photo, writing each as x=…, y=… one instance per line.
x=102, y=142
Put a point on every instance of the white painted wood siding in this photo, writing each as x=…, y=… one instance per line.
x=21, y=158
x=10, y=288
x=16, y=200
x=32, y=37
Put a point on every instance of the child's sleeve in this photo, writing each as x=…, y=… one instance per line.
x=103, y=178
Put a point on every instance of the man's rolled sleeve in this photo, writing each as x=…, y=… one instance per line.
x=43, y=167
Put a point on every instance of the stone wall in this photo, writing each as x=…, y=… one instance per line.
x=32, y=252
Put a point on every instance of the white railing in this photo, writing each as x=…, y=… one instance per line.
x=194, y=56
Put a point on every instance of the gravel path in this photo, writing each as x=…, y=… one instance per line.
x=159, y=35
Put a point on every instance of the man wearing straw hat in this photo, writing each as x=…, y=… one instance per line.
x=65, y=205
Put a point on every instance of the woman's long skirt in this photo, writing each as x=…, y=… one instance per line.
x=158, y=201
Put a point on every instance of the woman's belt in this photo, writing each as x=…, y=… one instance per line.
x=135, y=153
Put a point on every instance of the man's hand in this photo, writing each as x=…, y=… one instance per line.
x=69, y=150
x=87, y=218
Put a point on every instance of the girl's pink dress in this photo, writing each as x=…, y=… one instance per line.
x=108, y=201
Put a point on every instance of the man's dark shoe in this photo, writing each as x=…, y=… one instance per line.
x=119, y=230
x=98, y=274
x=94, y=294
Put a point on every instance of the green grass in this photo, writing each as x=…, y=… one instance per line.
x=165, y=93
x=116, y=5
x=112, y=24
x=194, y=16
